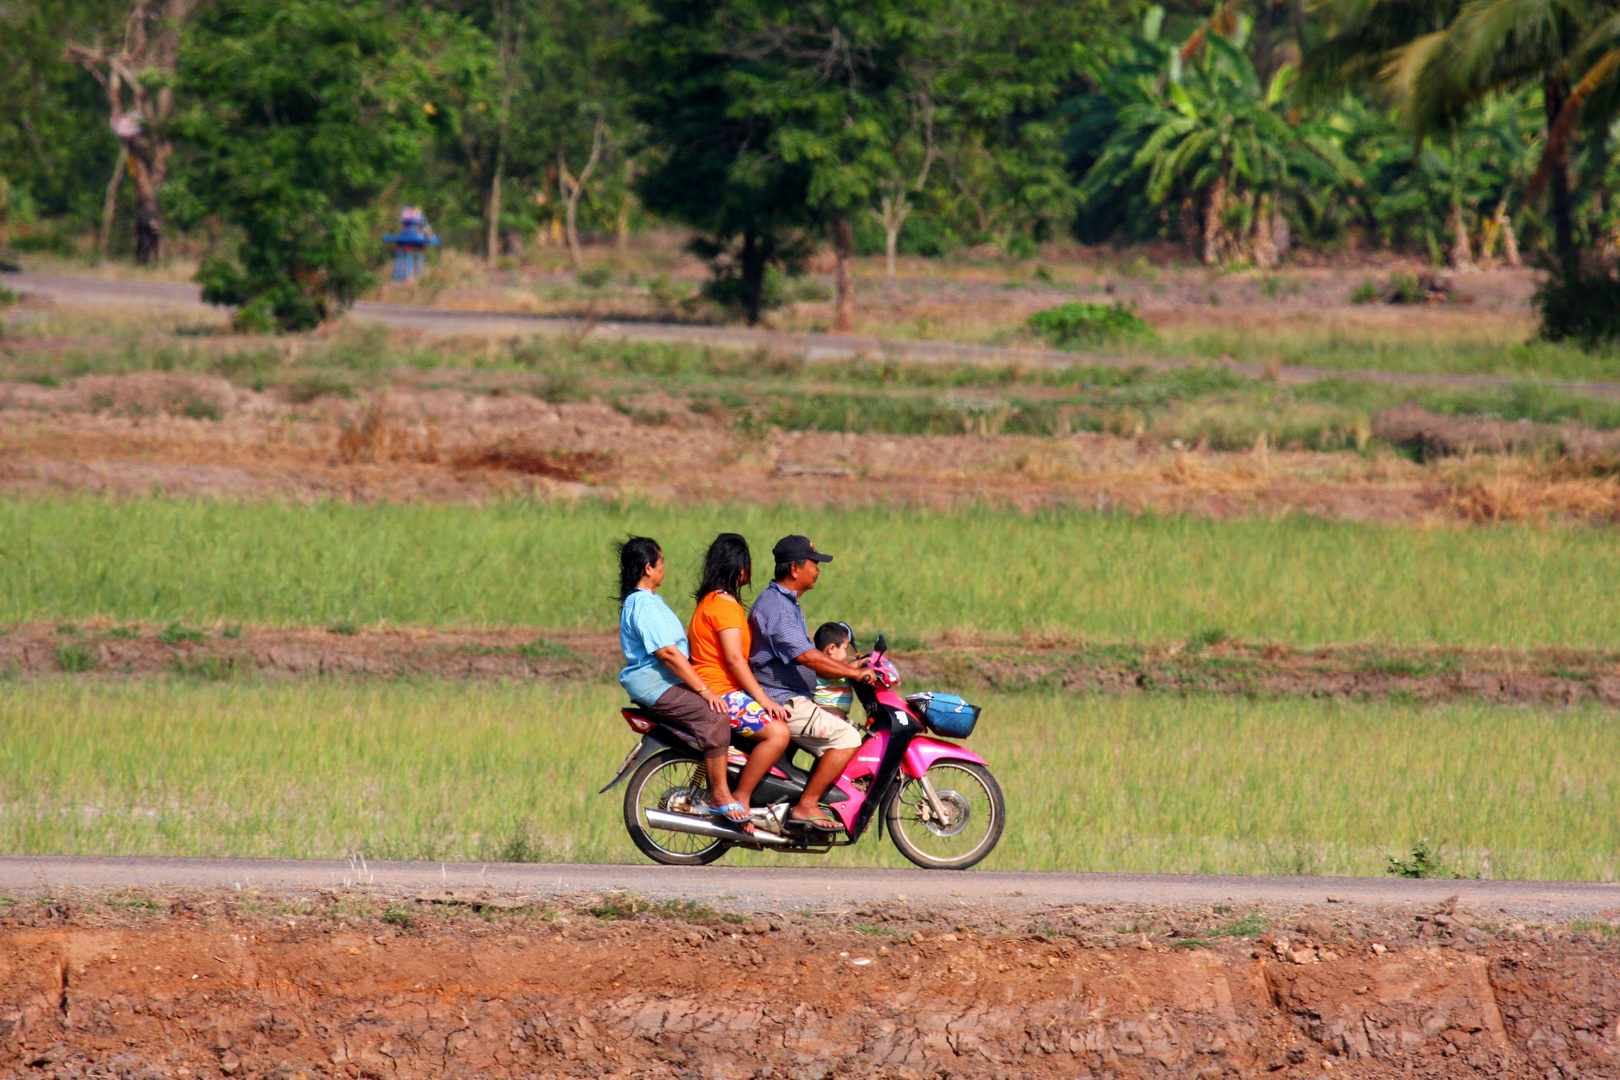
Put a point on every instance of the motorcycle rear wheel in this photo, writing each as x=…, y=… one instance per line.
x=976, y=814
x=660, y=775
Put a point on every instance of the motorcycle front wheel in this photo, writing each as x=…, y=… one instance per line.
x=964, y=828
x=669, y=780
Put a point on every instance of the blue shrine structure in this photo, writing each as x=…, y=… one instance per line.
x=410, y=242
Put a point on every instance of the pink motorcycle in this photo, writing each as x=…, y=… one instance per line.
x=941, y=805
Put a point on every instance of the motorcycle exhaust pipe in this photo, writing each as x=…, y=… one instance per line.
x=686, y=823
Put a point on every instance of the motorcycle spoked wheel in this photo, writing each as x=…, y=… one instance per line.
x=668, y=773
x=975, y=811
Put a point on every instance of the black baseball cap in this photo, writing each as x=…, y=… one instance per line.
x=796, y=548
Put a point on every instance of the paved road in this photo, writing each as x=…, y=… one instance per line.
x=792, y=888
x=71, y=290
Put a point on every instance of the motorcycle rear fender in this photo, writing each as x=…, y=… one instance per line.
x=924, y=752
x=651, y=743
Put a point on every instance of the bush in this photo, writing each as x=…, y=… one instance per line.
x=1080, y=323
x=1423, y=862
x=1585, y=309
x=1365, y=293
x=1406, y=289
x=76, y=659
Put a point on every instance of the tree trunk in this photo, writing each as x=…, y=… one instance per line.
x=574, y=187
x=754, y=260
x=844, y=251
x=152, y=32
x=148, y=213
x=1265, y=244
x=1554, y=92
x=492, y=206
x=627, y=205
x=1510, y=240
x=893, y=209
x=1462, y=253
x=109, y=205
x=1214, y=207
x=492, y=210
x=571, y=192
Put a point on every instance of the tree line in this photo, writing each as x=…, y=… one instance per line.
x=284, y=130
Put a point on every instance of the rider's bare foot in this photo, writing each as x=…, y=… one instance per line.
x=817, y=817
x=733, y=812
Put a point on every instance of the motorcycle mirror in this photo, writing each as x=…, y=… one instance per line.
x=880, y=645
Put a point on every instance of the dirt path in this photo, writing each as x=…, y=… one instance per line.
x=69, y=290
x=757, y=890
x=362, y=983
x=1361, y=673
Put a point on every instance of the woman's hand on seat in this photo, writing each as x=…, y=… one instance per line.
x=776, y=710
x=716, y=702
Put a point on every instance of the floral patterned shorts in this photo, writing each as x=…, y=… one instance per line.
x=747, y=715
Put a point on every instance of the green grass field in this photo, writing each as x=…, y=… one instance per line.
x=447, y=770
x=911, y=573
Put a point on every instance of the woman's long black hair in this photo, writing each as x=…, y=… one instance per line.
x=635, y=555
x=725, y=565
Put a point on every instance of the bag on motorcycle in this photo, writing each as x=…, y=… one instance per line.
x=946, y=714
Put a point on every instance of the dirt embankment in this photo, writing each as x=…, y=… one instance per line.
x=206, y=437
x=1554, y=676
x=195, y=987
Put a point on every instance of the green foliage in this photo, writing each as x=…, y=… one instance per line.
x=716, y=169
x=1080, y=323
x=1365, y=293
x=76, y=659
x=1584, y=308
x=1251, y=925
x=176, y=634
x=298, y=115
x=770, y=128
x=1441, y=62
x=1423, y=861
x=627, y=905
x=56, y=150
x=1200, y=640
x=1406, y=289
x=1203, y=133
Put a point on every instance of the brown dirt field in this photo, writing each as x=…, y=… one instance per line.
x=1546, y=677
x=197, y=436
x=360, y=984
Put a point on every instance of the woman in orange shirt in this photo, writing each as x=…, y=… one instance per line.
x=719, y=640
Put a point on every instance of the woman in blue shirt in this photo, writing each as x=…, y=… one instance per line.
x=658, y=673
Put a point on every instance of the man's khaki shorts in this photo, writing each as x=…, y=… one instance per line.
x=818, y=730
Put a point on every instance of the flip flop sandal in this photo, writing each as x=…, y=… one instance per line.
x=726, y=811
x=822, y=822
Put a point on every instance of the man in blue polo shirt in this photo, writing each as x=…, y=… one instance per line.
x=786, y=663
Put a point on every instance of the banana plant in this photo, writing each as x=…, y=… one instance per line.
x=1206, y=136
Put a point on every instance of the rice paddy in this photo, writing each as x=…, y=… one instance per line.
x=441, y=770
x=1072, y=575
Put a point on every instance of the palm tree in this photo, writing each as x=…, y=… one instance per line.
x=1438, y=59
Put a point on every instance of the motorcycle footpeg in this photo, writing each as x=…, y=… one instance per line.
x=770, y=818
